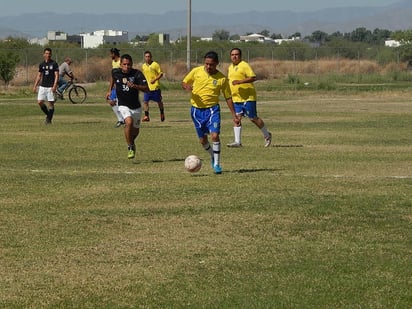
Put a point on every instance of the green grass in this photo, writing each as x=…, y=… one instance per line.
x=320, y=220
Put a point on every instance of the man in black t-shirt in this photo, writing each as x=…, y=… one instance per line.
x=128, y=82
x=46, y=81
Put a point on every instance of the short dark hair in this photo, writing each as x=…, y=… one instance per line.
x=115, y=51
x=212, y=55
x=147, y=52
x=47, y=49
x=126, y=56
x=238, y=49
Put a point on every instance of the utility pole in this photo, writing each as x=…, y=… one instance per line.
x=189, y=34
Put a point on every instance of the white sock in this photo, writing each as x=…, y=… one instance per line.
x=216, y=152
x=237, y=131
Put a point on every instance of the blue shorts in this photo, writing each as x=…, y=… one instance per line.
x=247, y=109
x=113, y=95
x=155, y=96
x=206, y=120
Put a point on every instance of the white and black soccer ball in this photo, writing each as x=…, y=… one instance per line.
x=193, y=163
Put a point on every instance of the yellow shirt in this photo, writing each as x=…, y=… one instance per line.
x=151, y=72
x=241, y=92
x=116, y=64
x=207, y=88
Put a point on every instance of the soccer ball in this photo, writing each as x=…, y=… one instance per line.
x=193, y=164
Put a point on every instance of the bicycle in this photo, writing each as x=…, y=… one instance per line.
x=77, y=94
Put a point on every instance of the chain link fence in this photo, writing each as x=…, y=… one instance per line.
x=91, y=65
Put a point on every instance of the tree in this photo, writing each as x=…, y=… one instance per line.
x=221, y=35
x=8, y=64
x=265, y=33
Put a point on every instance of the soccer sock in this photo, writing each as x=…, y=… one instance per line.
x=208, y=149
x=44, y=109
x=162, y=111
x=131, y=147
x=265, y=131
x=237, y=131
x=216, y=152
x=50, y=113
x=146, y=114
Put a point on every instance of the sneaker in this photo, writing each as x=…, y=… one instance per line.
x=131, y=154
x=162, y=117
x=118, y=124
x=146, y=119
x=268, y=140
x=59, y=94
x=217, y=169
x=234, y=145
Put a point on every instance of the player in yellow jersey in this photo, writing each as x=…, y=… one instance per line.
x=241, y=78
x=206, y=84
x=153, y=73
x=115, y=55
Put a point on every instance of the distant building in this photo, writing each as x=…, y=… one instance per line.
x=56, y=36
x=256, y=37
x=111, y=37
x=164, y=39
x=392, y=43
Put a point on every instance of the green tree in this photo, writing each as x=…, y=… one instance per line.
x=221, y=35
x=8, y=64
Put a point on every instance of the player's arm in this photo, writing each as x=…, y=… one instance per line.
x=56, y=80
x=36, y=82
x=246, y=80
x=111, y=84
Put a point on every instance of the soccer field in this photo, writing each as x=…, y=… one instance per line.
x=321, y=219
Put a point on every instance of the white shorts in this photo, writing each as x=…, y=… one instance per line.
x=136, y=114
x=45, y=94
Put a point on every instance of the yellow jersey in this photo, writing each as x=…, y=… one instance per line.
x=241, y=92
x=151, y=72
x=116, y=64
x=207, y=88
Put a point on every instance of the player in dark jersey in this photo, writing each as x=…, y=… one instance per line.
x=128, y=82
x=45, y=84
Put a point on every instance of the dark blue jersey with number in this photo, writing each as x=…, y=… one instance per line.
x=128, y=96
x=47, y=70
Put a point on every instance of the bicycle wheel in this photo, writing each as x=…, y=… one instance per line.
x=77, y=94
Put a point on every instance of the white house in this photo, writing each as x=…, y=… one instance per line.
x=255, y=37
x=392, y=43
x=96, y=38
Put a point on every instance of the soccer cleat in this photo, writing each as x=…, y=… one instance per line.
x=47, y=120
x=131, y=154
x=118, y=124
x=234, y=145
x=162, y=117
x=146, y=119
x=268, y=140
x=217, y=169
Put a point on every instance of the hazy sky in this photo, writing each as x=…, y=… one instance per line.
x=18, y=7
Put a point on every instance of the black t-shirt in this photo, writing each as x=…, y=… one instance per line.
x=128, y=96
x=47, y=70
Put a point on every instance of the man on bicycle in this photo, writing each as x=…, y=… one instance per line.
x=64, y=69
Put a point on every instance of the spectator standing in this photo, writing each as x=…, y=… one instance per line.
x=45, y=84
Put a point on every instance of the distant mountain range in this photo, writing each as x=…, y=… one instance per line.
x=397, y=16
